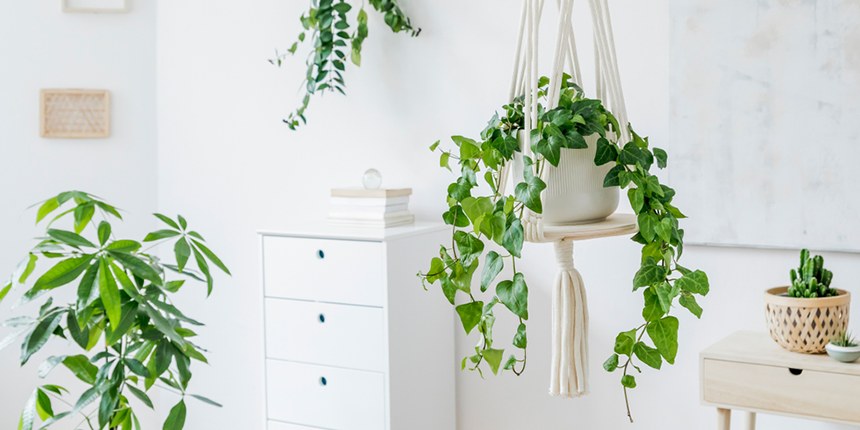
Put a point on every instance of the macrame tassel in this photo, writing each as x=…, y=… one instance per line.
x=569, y=327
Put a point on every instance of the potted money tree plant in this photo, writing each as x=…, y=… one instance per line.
x=130, y=334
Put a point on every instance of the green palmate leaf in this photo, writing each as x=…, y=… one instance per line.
x=456, y=217
x=81, y=367
x=648, y=355
x=160, y=234
x=69, y=238
x=64, y=272
x=5, y=290
x=109, y=293
x=513, y=238
x=137, y=266
x=83, y=215
x=470, y=314
x=40, y=335
x=86, y=399
x=88, y=288
x=688, y=301
x=49, y=206
x=611, y=364
x=54, y=389
x=521, y=339
x=48, y=365
x=514, y=295
x=661, y=157
x=550, y=148
x=106, y=407
x=628, y=381
x=624, y=342
x=649, y=274
x=493, y=357
x=182, y=222
x=43, y=405
x=435, y=145
x=462, y=277
x=104, y=232
x=124, y=280
x=28, y=415
x=461, y=189
x=137, y=367
x=174, y=286
x=176, y=419
x=211, y=256
x=182, y=251
x=509, y=363
x=26, y=268
x=129, y=313
x=167, y=221
x=173, y=311
x=528, y=192
x=140, y=394
x=163, y=325
x=444, y=159
x=204, y=267
x=492, y=266
x=653, y=310
x=163, y=355
x=664, y=333
x=694, y=282
x=81, y=337
x=124, y=246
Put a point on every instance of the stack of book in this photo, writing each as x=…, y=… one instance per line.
x=358, y=207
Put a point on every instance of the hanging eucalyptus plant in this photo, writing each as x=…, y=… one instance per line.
x=477, y=220
x=329, y=30
x=130, y=334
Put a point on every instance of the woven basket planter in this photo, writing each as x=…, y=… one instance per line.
x=805, y=325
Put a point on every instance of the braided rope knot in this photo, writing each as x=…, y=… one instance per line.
x=564, y=255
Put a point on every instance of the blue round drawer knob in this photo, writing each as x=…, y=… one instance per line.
x=323, y=382
x=320, y=254
x=322, y=318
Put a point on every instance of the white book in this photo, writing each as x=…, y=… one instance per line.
x=369, y=201
x=367, y=215
x=345, y=209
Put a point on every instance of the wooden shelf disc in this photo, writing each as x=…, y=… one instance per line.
x=617, y=224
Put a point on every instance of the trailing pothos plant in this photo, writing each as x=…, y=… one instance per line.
x=329, y=30
x=480, y=218
x=131, y=335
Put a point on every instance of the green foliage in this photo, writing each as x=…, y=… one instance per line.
x=122, y=314
x=845, y=339
x=811, y=279
x=497, y=217
x=330, y=37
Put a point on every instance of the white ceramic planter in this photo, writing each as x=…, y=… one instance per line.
x=575, y=192
x=845, y=354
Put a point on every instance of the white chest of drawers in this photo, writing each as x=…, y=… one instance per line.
x=352, y=340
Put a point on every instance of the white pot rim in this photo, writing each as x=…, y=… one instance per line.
x=837, y=348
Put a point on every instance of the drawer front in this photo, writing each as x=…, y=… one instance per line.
x=322, y=333
x=817, y=394
x=337, y=271
x=327, y=397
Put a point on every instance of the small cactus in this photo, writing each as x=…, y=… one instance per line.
x=811, y=279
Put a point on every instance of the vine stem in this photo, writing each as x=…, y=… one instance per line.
x=629, y=359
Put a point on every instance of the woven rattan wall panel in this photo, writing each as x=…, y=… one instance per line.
x=75, y=114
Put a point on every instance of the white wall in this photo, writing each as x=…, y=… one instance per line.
x=41, y=47
x=228, y=164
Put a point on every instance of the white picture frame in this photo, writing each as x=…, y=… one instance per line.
x=126, y=7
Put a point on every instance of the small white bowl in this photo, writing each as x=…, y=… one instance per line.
x=843, y=353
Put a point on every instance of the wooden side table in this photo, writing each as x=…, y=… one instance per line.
x=748, y=371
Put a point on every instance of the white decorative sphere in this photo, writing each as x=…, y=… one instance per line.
x=372, y=179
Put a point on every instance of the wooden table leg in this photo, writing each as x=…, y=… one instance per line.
x=749, y=420
x=724, y=419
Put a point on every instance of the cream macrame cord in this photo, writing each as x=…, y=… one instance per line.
x=569, y=372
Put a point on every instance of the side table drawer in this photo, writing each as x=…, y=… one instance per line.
x=326, y=397
x=778, y=389
x=337, y=271
x=321, y=333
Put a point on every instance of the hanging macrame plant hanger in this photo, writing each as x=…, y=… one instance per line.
x=569, y=373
